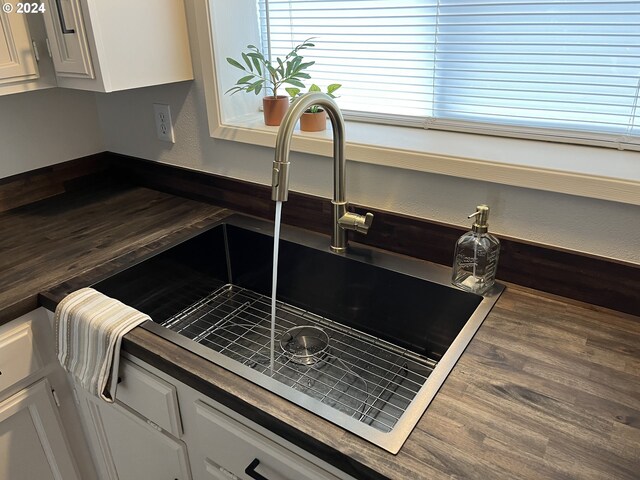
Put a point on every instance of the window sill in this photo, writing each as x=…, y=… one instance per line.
x=593, y=172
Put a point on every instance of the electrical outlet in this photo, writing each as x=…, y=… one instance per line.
x=164, y=127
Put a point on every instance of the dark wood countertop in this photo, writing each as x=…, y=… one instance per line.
x=548, y=388
x=48, y=242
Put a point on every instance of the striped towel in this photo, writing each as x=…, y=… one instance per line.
x=89, y=327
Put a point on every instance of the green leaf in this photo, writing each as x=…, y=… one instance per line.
x=295, y=65
x=256, y=63
x=252, y=46
x=255, y=86
x=245, y=79
x=314, y=88
x=235, y=63
x=304, y=66
x=257, y=57
x=272, y=71
x=306, y=44
x=281, y=68
x=306, y=76
x=333, y=87
x=292, y=91
x=293, y=81
x=247, y=61
x=233, y=90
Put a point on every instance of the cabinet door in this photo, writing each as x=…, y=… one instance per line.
x=32, y=445
x=231, y=449
x=68, y=39
x=133, y=449
x=19, y=357
x=17, y=61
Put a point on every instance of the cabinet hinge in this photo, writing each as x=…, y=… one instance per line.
x=55, y=397
x=36, y=54
x=46, y=40
x=227, y=473
x=153, y=425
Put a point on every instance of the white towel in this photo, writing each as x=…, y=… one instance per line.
x=89, y=327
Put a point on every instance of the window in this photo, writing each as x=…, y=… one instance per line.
x=560, y=70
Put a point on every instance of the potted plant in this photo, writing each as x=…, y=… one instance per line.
x=258, y=69
x=314, y=119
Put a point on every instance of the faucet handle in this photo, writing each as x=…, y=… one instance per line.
x=357, y=222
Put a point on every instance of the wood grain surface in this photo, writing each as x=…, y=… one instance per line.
x=48, y=242
x=547, y=389
x=35, y=185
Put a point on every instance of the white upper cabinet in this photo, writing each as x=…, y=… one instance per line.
x=106, y=46
x=24, y=60
x=17, y=59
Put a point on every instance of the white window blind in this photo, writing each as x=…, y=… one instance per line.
x=567, y=70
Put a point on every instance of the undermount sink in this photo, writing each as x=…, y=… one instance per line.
x=385, y=330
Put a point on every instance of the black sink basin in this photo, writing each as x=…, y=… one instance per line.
x=365, y=299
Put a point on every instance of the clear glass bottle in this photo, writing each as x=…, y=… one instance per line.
x=476, y=256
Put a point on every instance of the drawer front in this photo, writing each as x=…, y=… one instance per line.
x=232, y=447
x=18, y=357
x=150, y=396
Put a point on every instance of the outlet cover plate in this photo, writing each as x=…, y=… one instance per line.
x=164, y=125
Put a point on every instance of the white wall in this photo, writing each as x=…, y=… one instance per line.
x=46, y=127
x=598, y=227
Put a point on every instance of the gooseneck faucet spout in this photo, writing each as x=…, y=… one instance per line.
x=342, y=220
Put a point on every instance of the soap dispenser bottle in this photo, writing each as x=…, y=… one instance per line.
x=476, y=256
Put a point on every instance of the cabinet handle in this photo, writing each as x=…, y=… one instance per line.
x=63, y=23
x=251, y=470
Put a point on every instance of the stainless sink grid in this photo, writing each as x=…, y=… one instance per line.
x=362, y=376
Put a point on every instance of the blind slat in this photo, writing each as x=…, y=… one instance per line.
x=544, y=65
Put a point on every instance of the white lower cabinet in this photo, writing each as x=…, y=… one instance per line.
x=230, y=449
x=40, y=434
x=32, y=443
x=224, y=445
x=158, y=429
x=132, y=448
x=137, y=437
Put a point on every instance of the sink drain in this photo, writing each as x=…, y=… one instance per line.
x=305, y=345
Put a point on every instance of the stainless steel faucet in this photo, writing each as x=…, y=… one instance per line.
x=342, y=220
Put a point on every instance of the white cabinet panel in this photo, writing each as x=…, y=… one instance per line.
x=150, y=396
x=132, y=448
x=222, y=443
x=233, y=446
x=106, y=46
x=32, y=445
x=68, y=39
x=18, y=355
x=17, y=61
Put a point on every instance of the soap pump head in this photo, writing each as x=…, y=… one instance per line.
x=481, y=215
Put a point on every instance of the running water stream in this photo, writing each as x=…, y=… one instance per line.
x=274, y=283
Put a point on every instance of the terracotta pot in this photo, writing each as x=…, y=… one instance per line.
x=275, y=109
x=313, y=122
